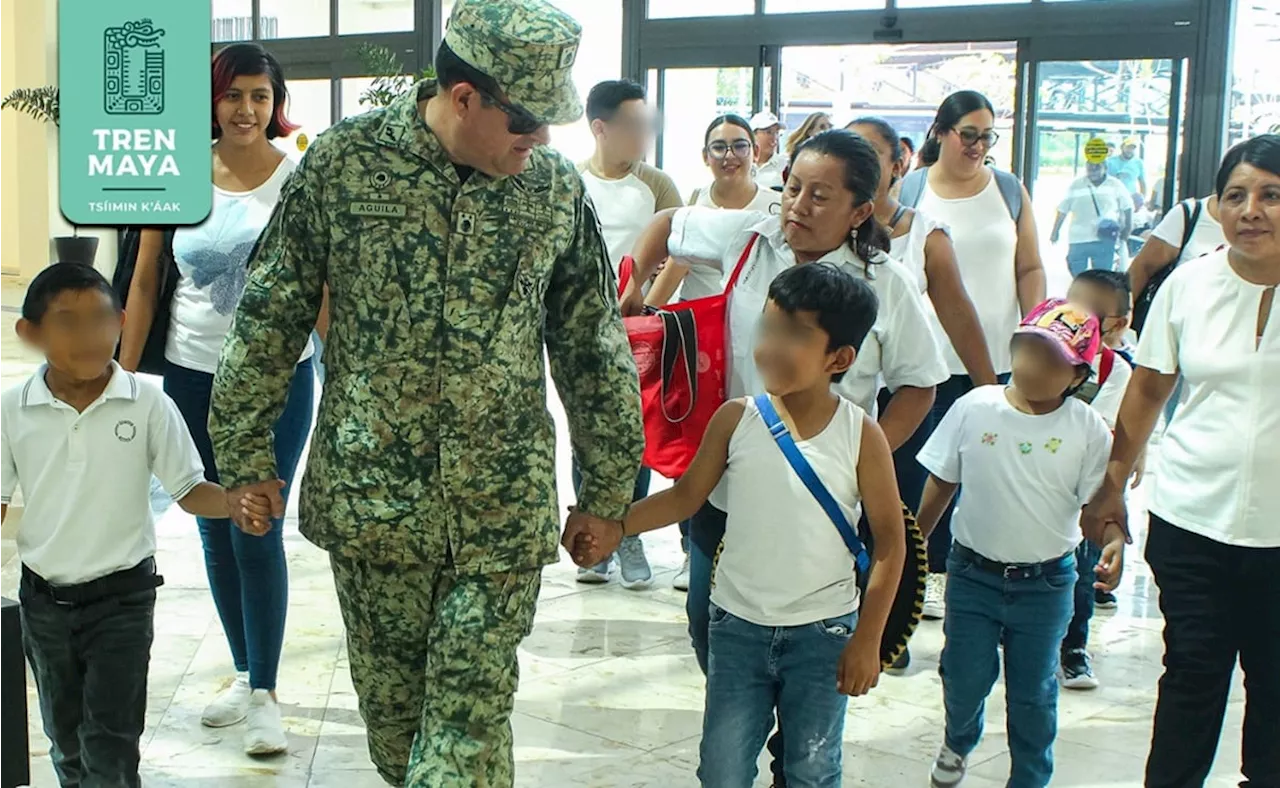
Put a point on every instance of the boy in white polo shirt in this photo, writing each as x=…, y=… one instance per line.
x=82, y=437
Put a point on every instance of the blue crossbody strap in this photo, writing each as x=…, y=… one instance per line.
x=810, y=478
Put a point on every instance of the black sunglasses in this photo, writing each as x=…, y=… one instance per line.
x=520, y=121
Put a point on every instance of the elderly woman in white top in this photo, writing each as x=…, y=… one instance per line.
x=1214, y=541
x=826, y=217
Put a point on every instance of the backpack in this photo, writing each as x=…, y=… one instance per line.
x=1142, y=302
x=1090, y=389
x=152, y=360
x=1008, y=184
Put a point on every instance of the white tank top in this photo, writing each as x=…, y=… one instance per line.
x=986, y=241
x=784, y=563
x=704, y=281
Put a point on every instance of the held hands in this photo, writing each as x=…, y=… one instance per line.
x=254, y=506
x=1106, y=508
x=589, y=539
x=859, y=668
x=1110, y=566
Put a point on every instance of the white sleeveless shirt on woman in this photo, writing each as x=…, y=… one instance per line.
x=986, y=241
x=784, y=563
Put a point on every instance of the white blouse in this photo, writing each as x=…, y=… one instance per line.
x=901, y=346
x=1219, y=473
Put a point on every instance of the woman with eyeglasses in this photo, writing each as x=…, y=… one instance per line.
x=993, y=231
x=728, y=149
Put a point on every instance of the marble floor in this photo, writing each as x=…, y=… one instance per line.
x=610, y=695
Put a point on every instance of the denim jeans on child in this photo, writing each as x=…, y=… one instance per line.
x=90, y=665
x=1029, y=616
x=1087, y=556
x=755, y=669
x=247, y=574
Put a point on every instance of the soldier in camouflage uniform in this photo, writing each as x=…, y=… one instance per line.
x=454, y=246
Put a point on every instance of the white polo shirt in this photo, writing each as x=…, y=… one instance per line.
x=86, y=477
x=1219, y=473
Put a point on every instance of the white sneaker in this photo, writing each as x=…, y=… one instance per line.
x=948, y=768
x=231, y=705
x=681, y=581
x=636, y=574
x=264, y=735
x=935, y=596
x=595, y=575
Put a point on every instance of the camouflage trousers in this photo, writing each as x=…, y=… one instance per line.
x=433, y=660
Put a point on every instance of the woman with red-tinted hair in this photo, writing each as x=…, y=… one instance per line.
x=247, y=572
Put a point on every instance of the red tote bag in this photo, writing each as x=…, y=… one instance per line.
x=681, y=353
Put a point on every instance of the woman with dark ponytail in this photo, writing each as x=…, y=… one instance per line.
x=993, y=230
x=828, y=216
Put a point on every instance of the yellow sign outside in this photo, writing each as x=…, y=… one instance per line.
x=1095, y=150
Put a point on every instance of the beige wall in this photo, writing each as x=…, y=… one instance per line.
x=29, y=169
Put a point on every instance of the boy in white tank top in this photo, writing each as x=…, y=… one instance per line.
x=788, y=630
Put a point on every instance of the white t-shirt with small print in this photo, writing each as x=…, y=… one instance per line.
x=1025, y=477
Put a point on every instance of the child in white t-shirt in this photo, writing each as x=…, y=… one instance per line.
x=81, y=438
x=1106, y=294
x=789, y=629
x=1029, y=456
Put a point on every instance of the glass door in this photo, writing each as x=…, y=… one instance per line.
x=689, y=89
x=900, y=83
x=1101, y=156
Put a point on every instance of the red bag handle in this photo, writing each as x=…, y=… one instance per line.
x=625, y=271
x=737, y=271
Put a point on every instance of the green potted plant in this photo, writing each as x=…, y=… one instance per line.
x=42, y=104
x=389, y=79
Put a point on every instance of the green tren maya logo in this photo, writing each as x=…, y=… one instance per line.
x=133, y=63
x=135, y=133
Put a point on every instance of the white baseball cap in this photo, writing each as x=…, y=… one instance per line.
x=765, y=120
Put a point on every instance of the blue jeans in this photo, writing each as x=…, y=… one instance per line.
x=1087, y=555
x=90, y=664
x=1030, y=618
x=755, y=669
x=247, y=574
x=1098, y=254
x=706, y=530
x=947, y=393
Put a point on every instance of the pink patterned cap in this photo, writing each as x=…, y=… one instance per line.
x=1072, y=329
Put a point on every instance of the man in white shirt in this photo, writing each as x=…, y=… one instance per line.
x=1101, y=214
x=626, y=193
x=770, y=161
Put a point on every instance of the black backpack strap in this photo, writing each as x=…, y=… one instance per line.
x=1190, y=217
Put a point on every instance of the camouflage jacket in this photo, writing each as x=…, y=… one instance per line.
x=433, y=440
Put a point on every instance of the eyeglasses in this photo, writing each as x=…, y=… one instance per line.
x=718, y=150
x=520, y=121
x=971, y=137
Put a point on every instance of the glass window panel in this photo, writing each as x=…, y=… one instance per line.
x=352, y=89
x=692, y=98
x=374, y=16
x=681, y=9
x=1254, y=106
x=294, y=18
x=310, y=108
x=954, y=3
x=232, y=20
x=1115, y=101
x=799, y=6
x=902, y=83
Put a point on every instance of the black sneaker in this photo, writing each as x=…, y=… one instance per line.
x=900, y=664
x=1076, y=673
x=1104, y=600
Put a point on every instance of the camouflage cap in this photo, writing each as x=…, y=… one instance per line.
x=527, y=46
